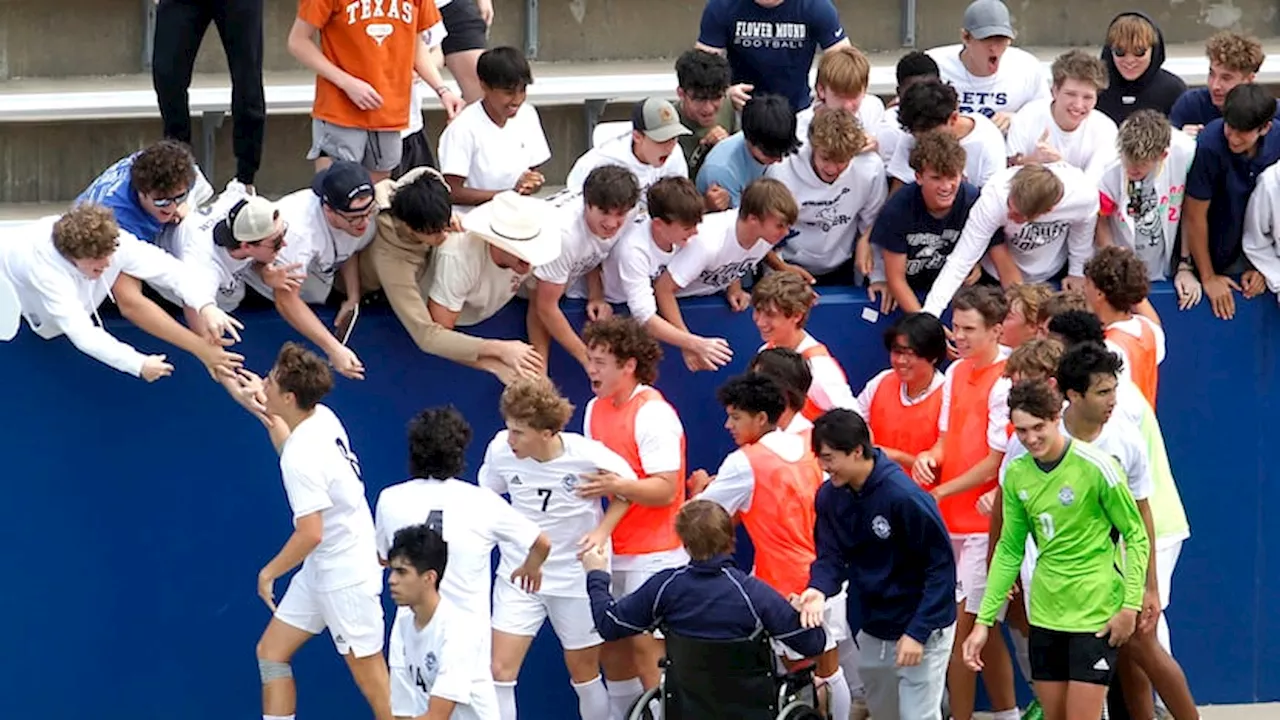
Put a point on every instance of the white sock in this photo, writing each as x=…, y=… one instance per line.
x=1013, y=714
x=839, y=701
x=506, y=699
x=1022, y=653
x=622, y=695
x=593, y=700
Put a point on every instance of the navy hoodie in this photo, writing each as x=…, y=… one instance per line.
x=1155, y=89
x=888, y=540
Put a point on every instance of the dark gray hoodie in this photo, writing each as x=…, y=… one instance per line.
x=1155, y=89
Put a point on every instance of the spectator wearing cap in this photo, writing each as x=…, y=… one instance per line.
x=475, y=274
x=328, y=225
x=650, y=149
x=768, y=135
x=770, y=44
x=703, y=80
x=150, y=190
x=414, y=219
x=989, y=76
x=496, y=144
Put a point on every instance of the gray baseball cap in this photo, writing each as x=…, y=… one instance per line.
x=988, y=18
x=658, y=119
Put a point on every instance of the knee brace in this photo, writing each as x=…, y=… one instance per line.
x=270, y=670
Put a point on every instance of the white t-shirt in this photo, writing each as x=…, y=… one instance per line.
x=447, y=659
x=617, y=151
x=714, y=258
x=1020, y=79
x=492, y=157
x=832, y=215
x=870, y=117
x=322, y=475
x=632, y=266
x=862, y=403
x=1090, y=147
x=472, y=520
x=544, y=493
x=581, y=250
x=313, y=243
x=1061, y=237
x=890, y=133
x=1119, y=439
x=830, y=387
x=997, y=404
x=984, y=149
x=192, y=243
x=463, y=277
x=735, y=482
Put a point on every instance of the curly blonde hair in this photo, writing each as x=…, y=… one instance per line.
x=1241, y=53
x=537, y=403
x=87, y=232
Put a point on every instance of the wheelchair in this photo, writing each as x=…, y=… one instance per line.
x=727, y=680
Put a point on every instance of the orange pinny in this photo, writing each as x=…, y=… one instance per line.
x=811, y=410
x=895, y=424
x=644, y=529
x=780, y=519
x=965, y=444
x=1140, y=357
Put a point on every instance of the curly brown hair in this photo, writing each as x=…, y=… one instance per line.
x=785, y=292
x=940, y=151
x=837, y=134
x=164, y=168
x=1037, y=398
x=86, y=232
x=1241, y=53
x=537, y=403
x=303, y=373
x=626, y=339
x=1120, y=275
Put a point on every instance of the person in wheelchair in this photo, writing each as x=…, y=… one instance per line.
x=718, y=622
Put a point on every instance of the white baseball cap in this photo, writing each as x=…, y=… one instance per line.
x=251, y=220
x=523, y=226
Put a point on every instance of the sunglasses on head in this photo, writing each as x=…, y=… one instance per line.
x=1121, y=52
x=166, y=202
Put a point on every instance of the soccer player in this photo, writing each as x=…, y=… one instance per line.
x=902, y=404
x=541, y=467
x=340, y=584
x=1024, y=301
x=770, y=482
x=780, y=305
x=791, y=372
x=1069, y=496
x=631, y=418
x=961, y=467
x=443, y=643
x=899, y=560
x=1116, y=285
x=1068, y=128
x=472, y=520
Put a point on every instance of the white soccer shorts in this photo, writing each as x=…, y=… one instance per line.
x=971, y=572
x=517, y=612
x=835, y=622
x=352, y=614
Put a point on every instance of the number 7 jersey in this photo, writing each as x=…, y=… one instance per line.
x=545, y=493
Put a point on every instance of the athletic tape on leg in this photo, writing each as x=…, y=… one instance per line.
x=270, y=670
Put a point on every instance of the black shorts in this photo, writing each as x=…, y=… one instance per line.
x=1058, y=656
x=415, y=151
x=466, y=28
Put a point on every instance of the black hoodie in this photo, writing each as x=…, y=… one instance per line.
x=1156, y=89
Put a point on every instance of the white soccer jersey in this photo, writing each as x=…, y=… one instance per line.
x=313, y=243
x=1090, y=147
x=446, y=659
x=1061, y=237
x=472, y=520
x=632, y=266
x=581, y=250
x=1119, y=439
x=544, y=493
x=192, y=243
x=714, y=258
x=1020, y=79
x=322, y=474
x=984, y=151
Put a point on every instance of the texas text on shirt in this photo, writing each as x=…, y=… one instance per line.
x=832, y=215
x=906, y=227
x=1090, y=147
x=1062, y=237
x=714, y=258
x=618, y=151
x=192, y=242
x=57, y=299
x=1020, y=79
x=659, y=443
x=1149, y=224
x=313, y=243
x=463, y=278
x=871, y=116
x=114, y=190
x=492, y=157
x=772, y=48
x=1226, y=180
x=633, y=265
x=984, y=149
x=896, y=420
x=544, y=492
x=581, y=251
x=830, y=387
x=446, y=659
x=375, y=42
x=1262, y=227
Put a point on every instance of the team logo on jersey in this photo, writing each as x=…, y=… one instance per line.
x=880, y=527
x=515, y=480
x=430, y=662
x=569, y=482
x=1023, y=495
x=1066, y=496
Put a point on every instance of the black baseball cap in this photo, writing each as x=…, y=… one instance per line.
x=341, y=184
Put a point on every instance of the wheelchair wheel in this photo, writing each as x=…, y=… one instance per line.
x=799, y=711
x=640, y=710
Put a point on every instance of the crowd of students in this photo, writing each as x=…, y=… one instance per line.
x=982, y=174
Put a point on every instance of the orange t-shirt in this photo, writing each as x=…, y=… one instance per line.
x=375, y=41
x=894, y=424
x=1140, y=356
x=643, y=529
x=965, y=443
x=780, y=519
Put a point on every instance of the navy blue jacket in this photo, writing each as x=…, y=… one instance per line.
x=704, y=600
x=888, y=540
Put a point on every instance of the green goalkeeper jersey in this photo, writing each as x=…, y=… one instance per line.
x=1071, y=507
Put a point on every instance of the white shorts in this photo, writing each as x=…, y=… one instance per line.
x=1166, y=563
x=971, y=572
x=638, y=570
x=517, y=612
x=352, y=614
x=835, y=622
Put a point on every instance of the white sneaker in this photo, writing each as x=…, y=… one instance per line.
x=238, y=187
